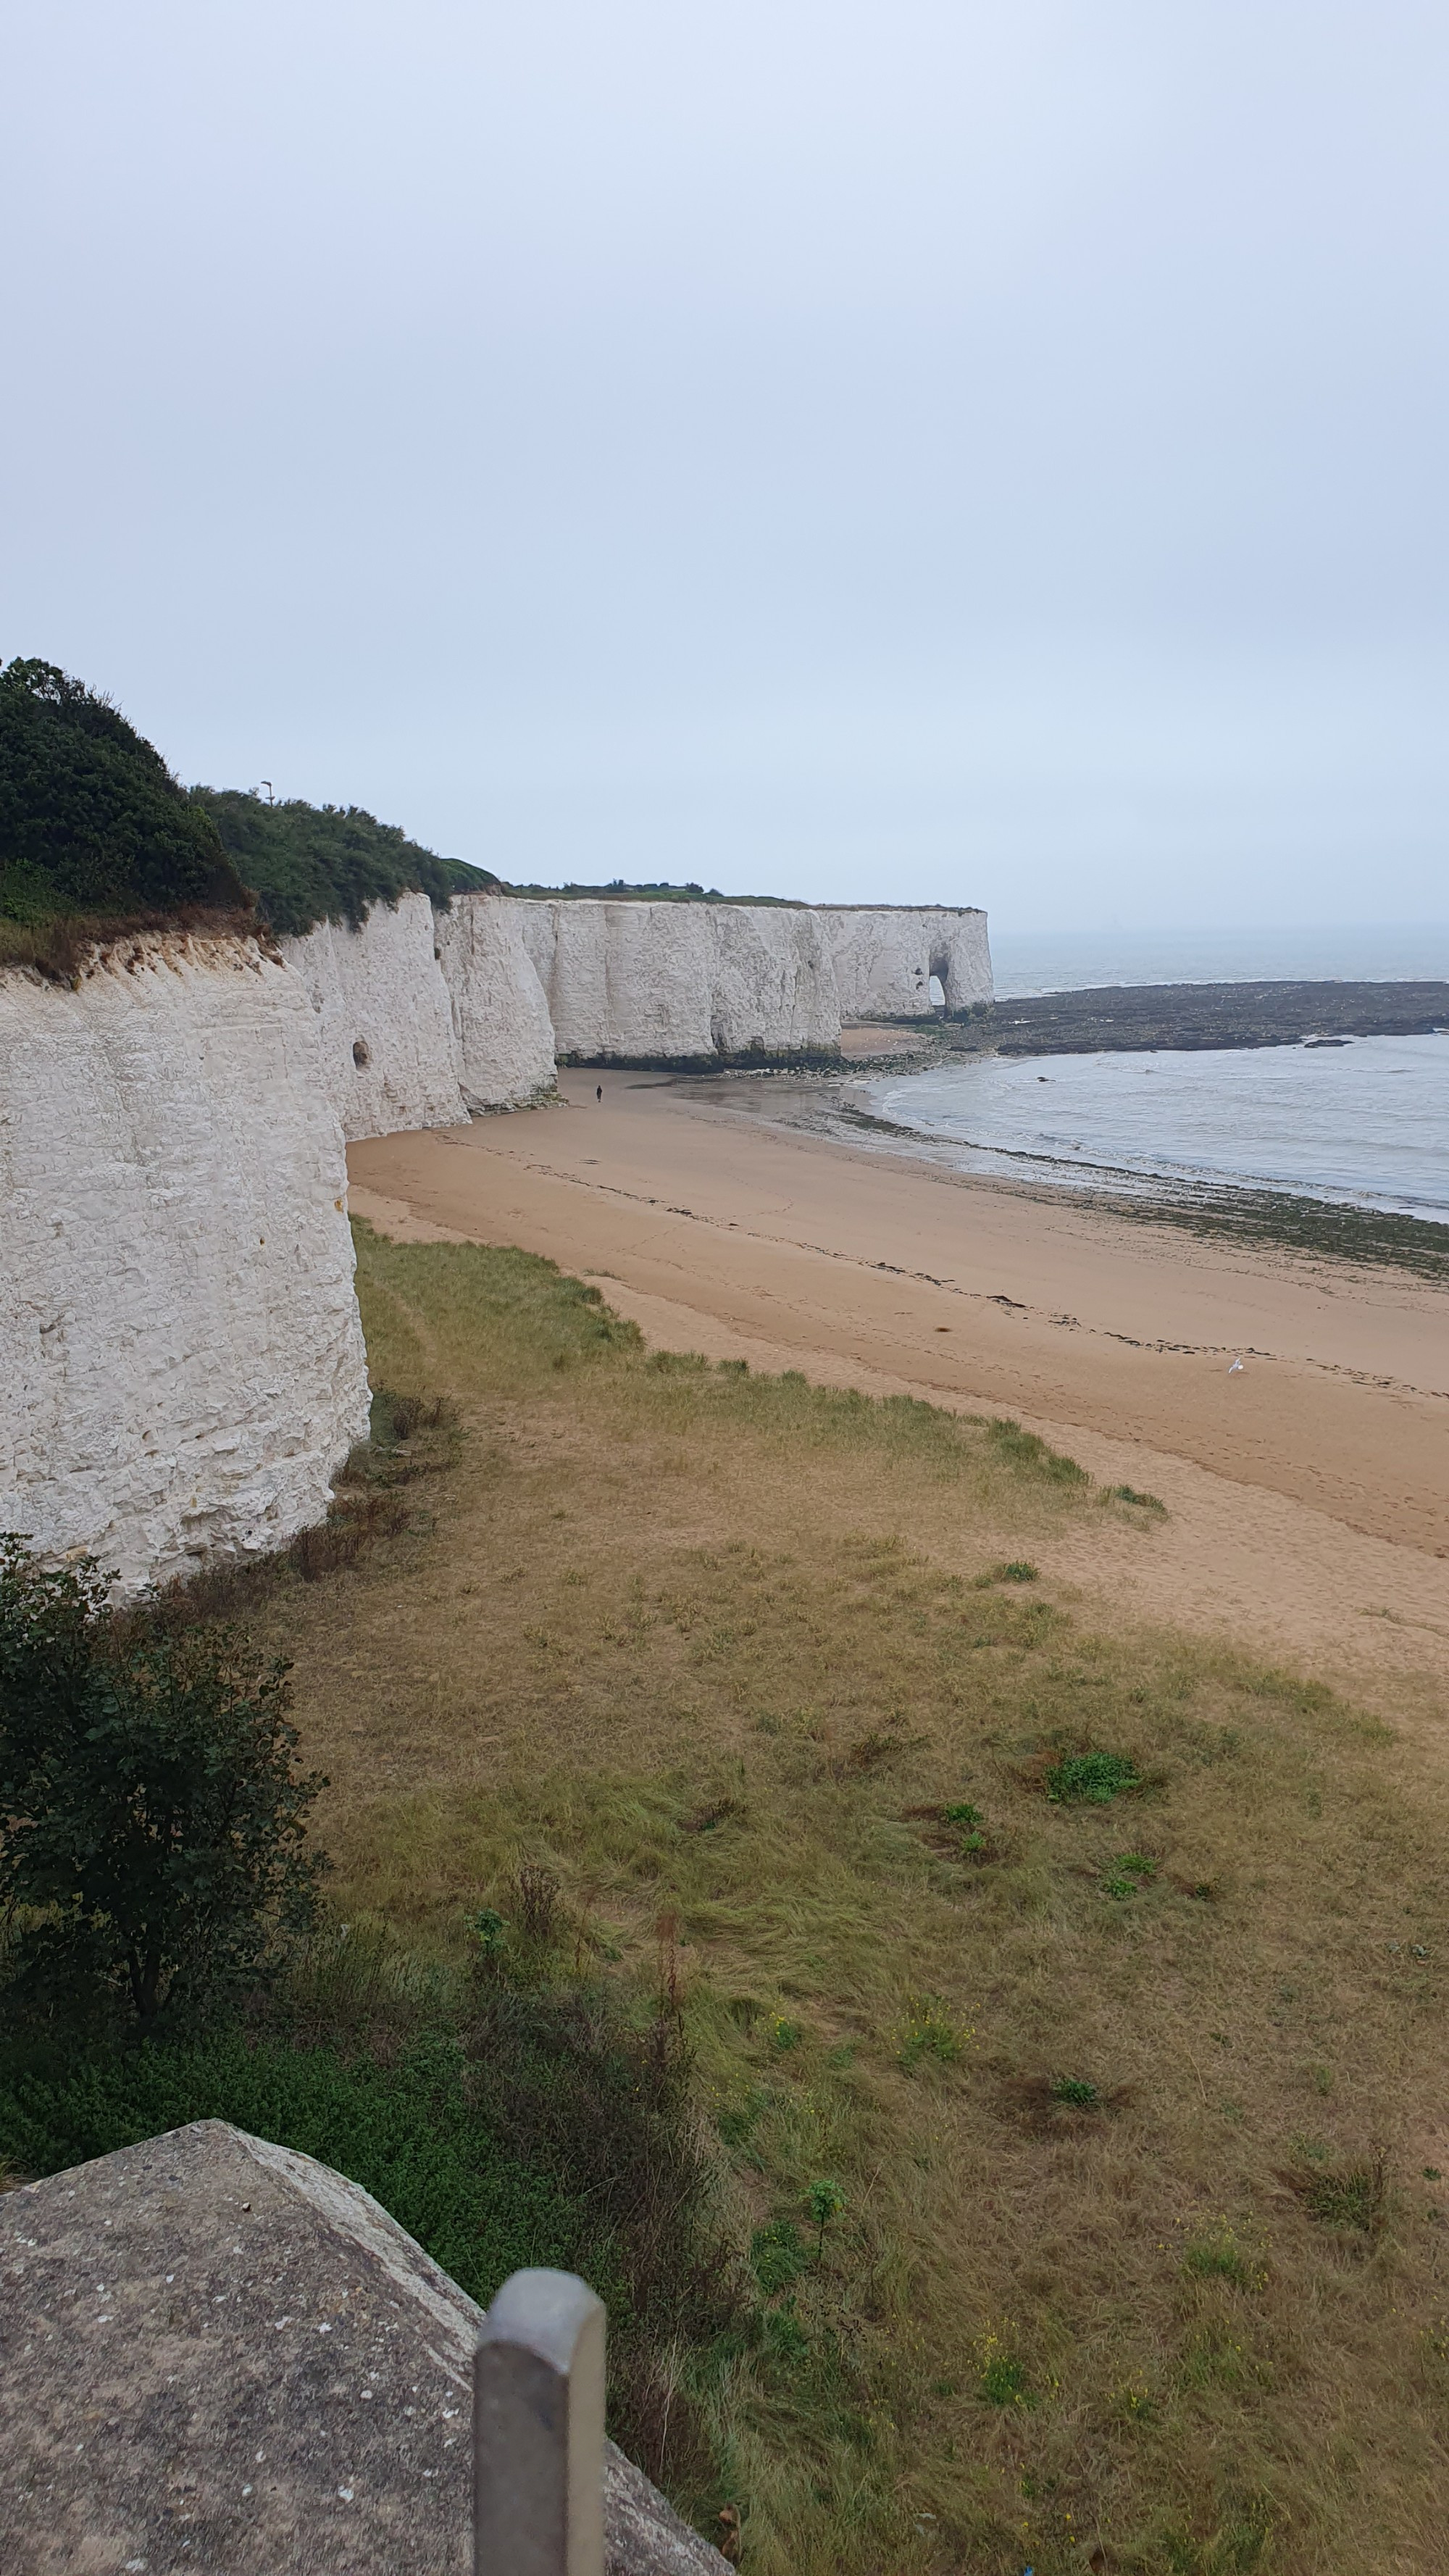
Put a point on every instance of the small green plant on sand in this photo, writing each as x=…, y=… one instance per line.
x=1091, y=1779
x=1128, y=1873
x=1129, y=1494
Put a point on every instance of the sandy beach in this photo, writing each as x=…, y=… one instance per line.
x=1307, y=1492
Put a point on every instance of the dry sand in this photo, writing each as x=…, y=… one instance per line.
x=1308, y=1493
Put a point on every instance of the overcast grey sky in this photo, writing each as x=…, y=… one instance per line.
x=915, y=450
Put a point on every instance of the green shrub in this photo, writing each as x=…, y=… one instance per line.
x=156, y=1822
x=968, y=1821
x=91, y=820
x=311, y=863
x=1091, y=1779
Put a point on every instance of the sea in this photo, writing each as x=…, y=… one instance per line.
x=1364, y=1123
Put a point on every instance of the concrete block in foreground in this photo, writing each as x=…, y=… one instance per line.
x=538, y=2430
x=217, y=2355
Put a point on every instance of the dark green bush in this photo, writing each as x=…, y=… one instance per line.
x=311, y=863
x=155, y=1820
x=91, y=819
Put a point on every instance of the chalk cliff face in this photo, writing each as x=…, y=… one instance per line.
x=682, y=982
x=383, y=1019
x=503, y=1037
x=424, y=1016
x=179, y=1339
x=884, y=959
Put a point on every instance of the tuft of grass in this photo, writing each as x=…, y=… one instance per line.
x=1129, y=1494
x=1001, y=2374
x=777, y=2256
x=1076, y=2092
x=1220, y=2257
x=1090, y=1779
x=1027, y=1449
x=1128, y=1874
x=1352, y=2197
x=930, y=2030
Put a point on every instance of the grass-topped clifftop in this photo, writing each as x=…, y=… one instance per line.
x=310, y=863
x=618, y=891
x=97, y=837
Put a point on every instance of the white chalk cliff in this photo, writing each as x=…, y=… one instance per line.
x=884, y=960
x=503, y=1037
x=426, y=1016
x=686, y=983
x=179, y=1338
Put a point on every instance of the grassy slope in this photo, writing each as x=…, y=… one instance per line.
x=703, y=1643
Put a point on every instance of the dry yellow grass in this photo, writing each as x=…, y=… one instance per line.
x=708, y=1646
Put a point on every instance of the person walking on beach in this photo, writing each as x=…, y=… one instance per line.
x=598, y=1091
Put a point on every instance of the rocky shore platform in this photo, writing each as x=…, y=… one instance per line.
x=1123, y=1017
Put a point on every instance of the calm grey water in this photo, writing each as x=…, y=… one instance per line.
x=1366, y=1123
x=1070, y=961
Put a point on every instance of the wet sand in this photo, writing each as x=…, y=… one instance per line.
x=1308, y=1492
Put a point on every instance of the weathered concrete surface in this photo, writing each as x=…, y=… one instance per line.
x=389, y=1056
x=884, y=958
x=502, y=1031
x=217, y=2355
x=180, y=1346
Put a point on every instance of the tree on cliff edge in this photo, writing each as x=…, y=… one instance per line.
x=91, y=820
